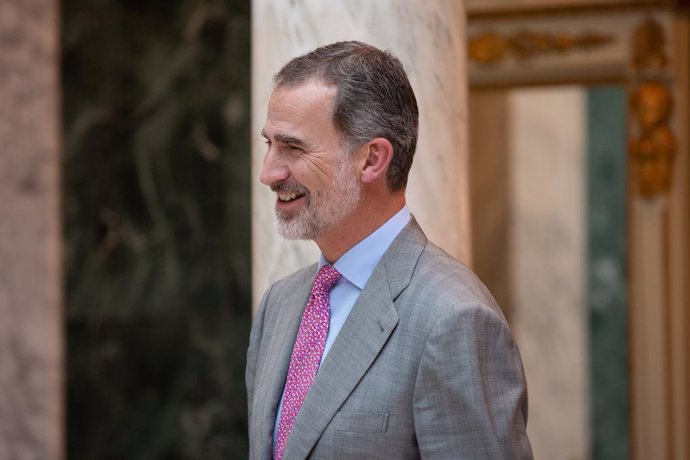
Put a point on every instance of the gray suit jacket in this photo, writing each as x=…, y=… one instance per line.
x=424, y=367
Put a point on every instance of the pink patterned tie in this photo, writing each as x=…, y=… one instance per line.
x=306, y=354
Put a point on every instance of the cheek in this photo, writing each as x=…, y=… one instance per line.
x=315, y=177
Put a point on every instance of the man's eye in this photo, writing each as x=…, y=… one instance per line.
x=295, y=148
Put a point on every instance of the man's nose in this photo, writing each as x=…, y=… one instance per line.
x=273, y=170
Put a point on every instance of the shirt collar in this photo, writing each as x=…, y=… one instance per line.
x=357, y=264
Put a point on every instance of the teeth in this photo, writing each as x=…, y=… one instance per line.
x=288, y=196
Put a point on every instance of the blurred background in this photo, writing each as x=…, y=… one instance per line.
x=127, y=222
x=156, y=227
x=153, y=227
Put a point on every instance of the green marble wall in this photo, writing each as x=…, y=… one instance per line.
x=606, y=272
x=157, y=227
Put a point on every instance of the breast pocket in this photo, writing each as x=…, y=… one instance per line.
x=360, y=422
x=361, y=436
x=367, y=436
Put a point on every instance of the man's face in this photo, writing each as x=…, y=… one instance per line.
x=314, y=179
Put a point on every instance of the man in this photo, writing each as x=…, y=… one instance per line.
x=388, y=347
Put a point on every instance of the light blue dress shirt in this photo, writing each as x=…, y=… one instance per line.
x=356, y=267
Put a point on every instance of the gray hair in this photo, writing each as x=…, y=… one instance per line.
x=374, y=98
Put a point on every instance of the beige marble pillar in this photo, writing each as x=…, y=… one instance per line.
x=548, y=264
x=429, y=38
x=31, y=412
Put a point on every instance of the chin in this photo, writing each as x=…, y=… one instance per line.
x=293, y=229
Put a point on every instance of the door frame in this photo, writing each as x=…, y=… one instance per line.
x=645, y=46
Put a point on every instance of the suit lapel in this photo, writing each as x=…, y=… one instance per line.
x=273, y=373
x=366, y=330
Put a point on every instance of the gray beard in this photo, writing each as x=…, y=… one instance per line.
x=324, y=210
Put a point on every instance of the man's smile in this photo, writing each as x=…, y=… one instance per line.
x=290, y=201
x=289, y=196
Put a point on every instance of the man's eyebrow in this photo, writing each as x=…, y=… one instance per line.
x=291, y=140
x=286, y=139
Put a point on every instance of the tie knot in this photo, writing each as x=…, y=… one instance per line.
x=326, y=278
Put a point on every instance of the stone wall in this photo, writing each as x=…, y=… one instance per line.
x=30, y=275
x=157, y=227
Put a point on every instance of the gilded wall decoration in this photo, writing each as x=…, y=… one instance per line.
x=649, y=43
x=491, y=47
x=653, y=148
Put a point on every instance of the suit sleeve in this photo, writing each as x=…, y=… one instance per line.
x=470, y=398
x=253, y=351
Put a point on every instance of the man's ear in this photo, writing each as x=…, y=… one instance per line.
x=378, y=155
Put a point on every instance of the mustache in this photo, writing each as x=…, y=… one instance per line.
x=284, y=187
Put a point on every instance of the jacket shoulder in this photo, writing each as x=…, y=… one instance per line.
x=299, y=277
x=441, y=283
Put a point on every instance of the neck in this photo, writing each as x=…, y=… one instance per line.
x=369, y=215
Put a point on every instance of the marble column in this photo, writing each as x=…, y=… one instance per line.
x=548, y=264
x=31, y=412
x=429, y=38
